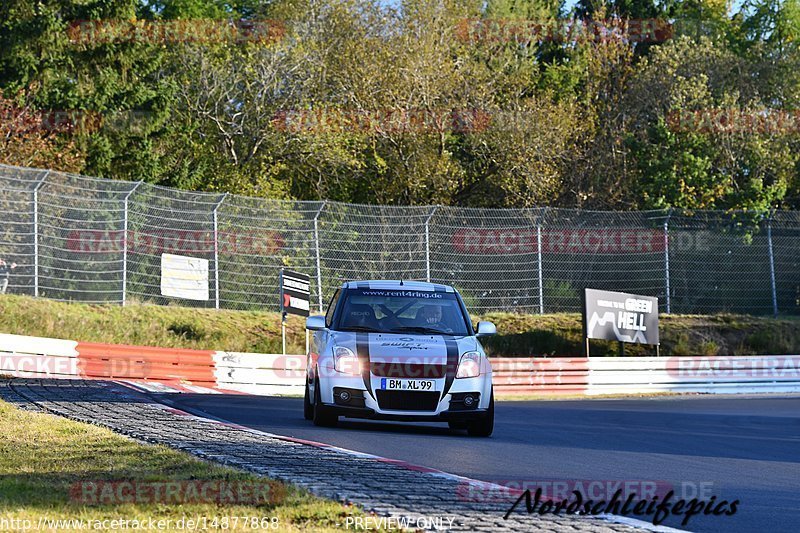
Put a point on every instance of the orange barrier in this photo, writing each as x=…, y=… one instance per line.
x=114, y=361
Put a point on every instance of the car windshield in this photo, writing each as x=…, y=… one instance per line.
x=402, y=311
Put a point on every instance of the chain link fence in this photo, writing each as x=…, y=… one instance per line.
x=100, y=241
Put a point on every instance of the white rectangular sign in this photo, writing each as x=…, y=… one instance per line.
x=184, y=277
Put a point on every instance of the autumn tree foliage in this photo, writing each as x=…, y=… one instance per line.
x=32, y=138
x=506, y=103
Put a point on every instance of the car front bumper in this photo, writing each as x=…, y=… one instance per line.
x=367, y=403
x=366, y=412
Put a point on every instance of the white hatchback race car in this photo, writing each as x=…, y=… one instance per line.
x=399, y=350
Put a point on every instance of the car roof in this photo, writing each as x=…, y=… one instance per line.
x=397, y=284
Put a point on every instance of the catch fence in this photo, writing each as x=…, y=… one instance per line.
x=96, y=240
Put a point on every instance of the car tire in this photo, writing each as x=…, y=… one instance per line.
x=308, y=407
x=484, y=426
x=322, y=416
x=457, y=424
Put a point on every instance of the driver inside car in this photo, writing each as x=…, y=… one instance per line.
x=431, y=316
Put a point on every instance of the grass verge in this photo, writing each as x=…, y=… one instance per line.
x=251, y=331
x=43, y=458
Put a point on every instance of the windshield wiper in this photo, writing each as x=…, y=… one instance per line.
x=420, y=329
x=366, y=329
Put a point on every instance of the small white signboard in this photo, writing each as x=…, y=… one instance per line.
x=184, y=277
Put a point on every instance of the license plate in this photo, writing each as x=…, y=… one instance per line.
x=408, y=384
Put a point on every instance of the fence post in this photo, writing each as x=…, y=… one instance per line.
x=772, y=265
x=539, y=260
x=39, y=185
x=316, y=247
x=125, y=244
x=666, y=260
x=428, y=244
x=216, y=251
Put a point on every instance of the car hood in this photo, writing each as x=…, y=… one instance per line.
x=402, y=347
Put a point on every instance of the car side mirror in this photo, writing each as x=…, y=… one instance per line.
x=315, y=323
x=486, y=329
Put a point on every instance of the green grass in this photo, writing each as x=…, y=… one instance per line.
x=150, y=325
x=251, y=331
x=43, y=456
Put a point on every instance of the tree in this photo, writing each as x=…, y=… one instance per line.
x=34, y=139
x=704, y=165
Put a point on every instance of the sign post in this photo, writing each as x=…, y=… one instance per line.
x=295, y=297
x=619, y=316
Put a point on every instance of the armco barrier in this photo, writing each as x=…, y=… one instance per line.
x=172, y=369
x=112, y=361
x=34, y=357
x=538, y=375
x=254, y=373
x=735, y=374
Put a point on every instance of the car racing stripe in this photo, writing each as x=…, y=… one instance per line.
x=362, y=352
x=452, y=363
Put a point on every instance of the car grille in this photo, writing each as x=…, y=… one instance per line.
x=407, y=370
x=400, y=400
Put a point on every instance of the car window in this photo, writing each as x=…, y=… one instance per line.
x=402, y=311
x=332, y=308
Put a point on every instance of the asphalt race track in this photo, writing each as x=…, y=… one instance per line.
x=745, y=448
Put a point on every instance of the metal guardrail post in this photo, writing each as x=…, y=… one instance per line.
x=39, y=185
x=428, y=244
x=772, y=265
x=316, y=247
x=125, y=244
x=216, y=251
x=666, y=260
x=539, y=260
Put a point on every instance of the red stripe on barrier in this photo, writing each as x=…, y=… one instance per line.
x=119, y=361
x=540, y=375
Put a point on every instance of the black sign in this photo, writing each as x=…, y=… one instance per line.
x=295, y=293
x=619, y=316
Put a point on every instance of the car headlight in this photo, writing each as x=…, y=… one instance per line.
x=469, y=366
x=345, y=361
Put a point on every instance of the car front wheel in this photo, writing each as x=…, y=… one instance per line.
x=322, y=415
x=483, y=427
x=308, y=407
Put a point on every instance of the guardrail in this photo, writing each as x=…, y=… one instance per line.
x=637, y=375
x=174, y=369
